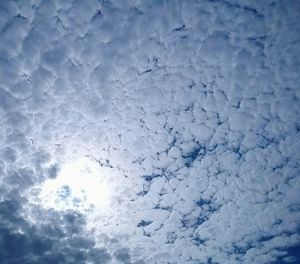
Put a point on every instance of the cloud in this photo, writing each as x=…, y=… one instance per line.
x=56, y=238
x=189, y=108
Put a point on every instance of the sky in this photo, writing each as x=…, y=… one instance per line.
x=149, y=131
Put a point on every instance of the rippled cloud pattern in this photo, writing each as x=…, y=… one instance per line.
x=190, y=111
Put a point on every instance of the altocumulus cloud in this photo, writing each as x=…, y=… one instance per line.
x=189, y=108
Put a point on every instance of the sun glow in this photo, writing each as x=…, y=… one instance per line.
x=79, y=186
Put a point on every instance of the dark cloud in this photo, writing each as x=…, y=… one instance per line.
x=56, y=238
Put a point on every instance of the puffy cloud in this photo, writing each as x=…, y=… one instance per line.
x=57, y=238
x=188, y=108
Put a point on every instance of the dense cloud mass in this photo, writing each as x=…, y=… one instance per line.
x=191, y=110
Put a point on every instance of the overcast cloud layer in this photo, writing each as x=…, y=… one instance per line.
x=190, y=108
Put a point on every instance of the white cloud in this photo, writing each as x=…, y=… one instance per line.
x=190, y=107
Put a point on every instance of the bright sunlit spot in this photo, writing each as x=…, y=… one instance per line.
x=78, y=186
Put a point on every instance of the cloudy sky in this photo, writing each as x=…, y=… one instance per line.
x=149, y=131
